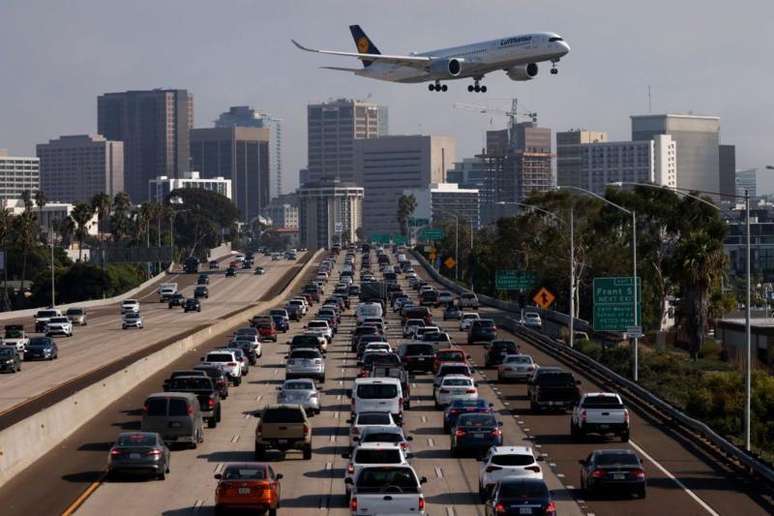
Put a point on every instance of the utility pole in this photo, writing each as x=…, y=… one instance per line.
x=572, y=276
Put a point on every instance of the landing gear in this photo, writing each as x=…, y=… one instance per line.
x=476, y=86
x=554, y=69
x=437, y=86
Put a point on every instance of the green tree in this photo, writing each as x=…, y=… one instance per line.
x=406, y=206
x=40, y=202
x=101, y=204
x=65, y=228
x=26, y=231
x=120, y=220
x=82, y=214
x=199, y=220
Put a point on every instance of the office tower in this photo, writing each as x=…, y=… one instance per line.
x=283, y=211
x=440, y=201
x=586, y=159
x=697, y=141
x=527, y=167
x=245, y=116
x=388, y=165
x=329, y=211
x=333, y=127
x=746, y=180
x=240, y=154
x=75, y=168
x=727, y=169
x=154, y=126
x=17, y=174
x=160, y=187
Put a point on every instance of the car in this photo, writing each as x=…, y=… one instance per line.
x=613, y=470
x=59, y=326
x=300, y=392
x=281, y=319
x=175, y=416
x=130, y=305
x=362, y=420
x=139, y=452
x=383, y=434
x=231, y=272
x=131, y=320
x=514, y=495
x=448, y=355
x=373, y=454
x=10, y=360
x=466, y=319
x=417, y=356
x=249, y=346
x=16, y=336
x=205, y=391
x=386, y=490
x=248, y=486
x=41, y=319
x=464, y=406
x=283, y=427
x=217, y=375
x=516, y=368
x=259, y=270
x=496, y=351
x=378, y=395
x=176, y=299
x=552, y=388
x=502, y=462
x=451, y=368
x=601, y=413
x=41, y=348
x=228, y=361
x=320, y=327
x=305, y=363
x=455, y=387
x=275, y=257
x=533, y=320
x=203, y=279
x=378, y=346
x=266, y=329
x=452, y=313
x=468, y=300
x=240, y=355
x=445, y=297
x=214, y=265
x=77, y=316
x=201, y=291
x=482, y=330
x=192, y=304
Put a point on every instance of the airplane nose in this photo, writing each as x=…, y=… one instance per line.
x=565, y=47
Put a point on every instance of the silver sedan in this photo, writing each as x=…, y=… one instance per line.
x=300, y=392
x=516, y=368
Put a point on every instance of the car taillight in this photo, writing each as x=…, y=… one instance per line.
x=190, y=410
x=356, y=431
x=530, y=368
x=306, y=429
x=638, y=473
x=145, y=408
x=232, y=364
x=500, y=508
x=489, y=469
x=259, y=429
x=404, y=444
x=115, y=453
x=460, y=433
x=626, y=416
x=598, y=473
x=454, y=411
x=470, y=391
x=211, y=403
x=497, y=432
x=350, y=468
x=550, y=509
x=353, y=504
x=534, y=469
x=153, y=453
x=421, y=504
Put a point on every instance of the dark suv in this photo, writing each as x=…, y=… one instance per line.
x=206, y=392
x=192, y=304
x=482, y=330
x=496, y=351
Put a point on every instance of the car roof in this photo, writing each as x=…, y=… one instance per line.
x=508, y=450
x=608, y=394
x=453, y=364
x=360, y=381
x=378, y=445
x=615, y=451
x=456, y=377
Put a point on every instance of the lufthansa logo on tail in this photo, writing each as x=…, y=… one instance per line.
x=363, y=45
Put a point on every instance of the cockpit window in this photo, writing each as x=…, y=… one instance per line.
x=555, y=39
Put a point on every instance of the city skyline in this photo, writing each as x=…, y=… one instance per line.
x=604, y=81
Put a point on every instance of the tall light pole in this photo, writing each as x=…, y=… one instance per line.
x=53, y=288
x=635, y=303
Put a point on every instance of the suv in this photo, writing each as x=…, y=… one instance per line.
x=482, y=330
x=283, y=427
x=130, y=305
x=552, y=387
x=176, y=299
x=387, y=490
x=266, y=329
x=502, y=462
x=59, y=326
x=42, y=318
x=77, y=316
x=10, y=360
x=16, y=337
x=192, y=304
x=305, y=363
x=468, y=300
x=228, y=361
x=206, y=392
x=202, y=291
x=373, y=454
x=417, y=356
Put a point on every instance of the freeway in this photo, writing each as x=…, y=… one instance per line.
x=103, y=341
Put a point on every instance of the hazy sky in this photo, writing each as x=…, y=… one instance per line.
x=708, y=57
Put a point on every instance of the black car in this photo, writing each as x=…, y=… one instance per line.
x=520, y=496
x=176, y=299
x=139, y=452
x=482, y=330
x=41, y=348
x=417, y=356
x=231, y=272
x=9, y=359
x=201, y=291
x=496, y=351
x=458, y=407
x=552, y=388
x=613, y=470
x=475, y=433
x=203, y=279
x=259, y=270
x=217, y=375
x=192, y=304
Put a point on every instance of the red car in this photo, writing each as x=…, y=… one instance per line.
x=448, y=355
x=267, y=330
x=250, y=485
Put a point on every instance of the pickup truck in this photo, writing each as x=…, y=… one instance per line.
x=166, y=290
x=284, y=427
x=386, y=490
x=42, y=318
x=600, y=413
x=552, y=388
x=379, y=371
x=206, y=392
x=14, y=336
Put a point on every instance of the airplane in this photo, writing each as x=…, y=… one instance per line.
x=518, y=56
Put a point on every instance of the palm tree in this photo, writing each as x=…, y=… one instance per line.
x=81, y=215
x=406, y=206
x=5, y=228
x=27, y=231
x=121, y=221
x=101, y=204
x=66, y=229
x=40, y=202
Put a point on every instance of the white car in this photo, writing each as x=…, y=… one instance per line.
x=59, y=326
x=411, y=325
x=468, y=300
x=445, y=297
x=319, y=327
x=378, y=346
x=516, y=368
x=374, y=454
x=533, y=320
x=394, y=490
x=131, y=320
x=502, y=462
x=367, y=419
x=228, y=361
x=254, y=341
x=455, y=387
x=130, y=305
x=467, y=319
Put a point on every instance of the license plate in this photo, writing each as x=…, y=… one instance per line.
x=525, y=510
x=478, y=435
x=244, y=490
x=175, y=424
x=134, y=456
x=421, y=359
x=604, y=427
x=619, y=476
x=282, y=441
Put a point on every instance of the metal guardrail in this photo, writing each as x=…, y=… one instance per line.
x=633, y=389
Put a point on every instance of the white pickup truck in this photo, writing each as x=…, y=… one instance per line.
x=600, y=413
x=393, y=490
x=166, y=290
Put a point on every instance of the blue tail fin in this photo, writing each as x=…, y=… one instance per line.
x=363, y=43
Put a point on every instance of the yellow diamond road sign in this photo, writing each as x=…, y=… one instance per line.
x=544, y=298
x=450, y=262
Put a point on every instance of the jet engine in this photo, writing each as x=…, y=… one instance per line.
x=446, y=67
x=522, y=73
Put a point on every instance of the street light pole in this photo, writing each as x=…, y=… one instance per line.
x=748, y=329
x=572, y=277
x=53, y=289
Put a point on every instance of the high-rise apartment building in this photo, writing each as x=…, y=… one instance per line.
x=527, y=167
x=17, y=174
x=240, y=154
x=160, y=187
x=154, y=126
x=333, y=129
x=245, y=116
x=697, y=140
x=329, y=211
x=746, y=180
x=727, y=169
x=439, y=201
x=75, y=168
x=586, y=159
x=388, y=165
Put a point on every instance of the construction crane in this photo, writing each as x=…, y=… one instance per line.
x=512, y=114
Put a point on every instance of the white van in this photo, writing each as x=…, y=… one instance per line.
x=368, y=310
x=378, y=395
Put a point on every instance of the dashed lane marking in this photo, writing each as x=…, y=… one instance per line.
x=235, y=438
x=197, y=505
x=438, y=472
x=430, y=442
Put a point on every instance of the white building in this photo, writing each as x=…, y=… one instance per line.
x=439, y=200
x=329, y=212
x=51, y=214
x=17, y=174
x=160, y=188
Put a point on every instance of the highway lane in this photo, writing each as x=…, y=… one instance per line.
x=310, y=487
x=103, y=341
x=714, y=488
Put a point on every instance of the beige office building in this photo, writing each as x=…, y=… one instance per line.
x=17, y=174
x=329, y=211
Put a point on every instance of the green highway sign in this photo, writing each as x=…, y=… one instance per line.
x=431, y=234
x=509, y=279
x=381, y=238
x=399, y=239
x=614, y=304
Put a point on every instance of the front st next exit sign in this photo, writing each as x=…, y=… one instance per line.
x=614, y=304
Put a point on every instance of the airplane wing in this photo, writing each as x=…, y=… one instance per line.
x=341, y=69
x=418, y=62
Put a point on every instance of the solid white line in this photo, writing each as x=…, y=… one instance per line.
x=676, y=481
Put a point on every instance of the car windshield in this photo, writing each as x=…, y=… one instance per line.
x=602, y=402
x=468, y=404
x=74, y=311
x=14, y=334
x=512, y=459
x=518, y=359
x=39, y=343
x=47, y=313
x=376, y=480
x=178, y=407
x=298, y=386
x=132, y=316
x=381, y=437
x=556, y=379
x=305, y=353
x=220, y=357
x=244, y=473
x=318, y=324
x=376, y=418
x=304, y=340
x=477, y=420
x=469, y=316
x=484, y=323
x=419, y=349
x=282, y=415
x=281, y=313
x=198, y=383
x=369, y=456
x=521, y=489
x=457, y=382
x=59, y=320
x=374, y=391
x=610, y=458
x=457, y=369
x=7, y=352
x=449, y=356
x=504, y=346
x=136, y=440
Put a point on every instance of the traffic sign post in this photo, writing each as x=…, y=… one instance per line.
x=450, y=262
x=544, y=298
x=510, y=279
x=614, y=304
